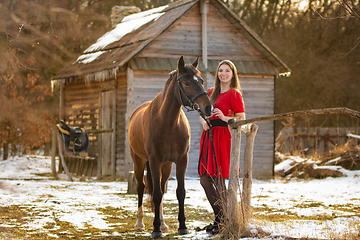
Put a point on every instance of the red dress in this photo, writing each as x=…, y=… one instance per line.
x=229, y=102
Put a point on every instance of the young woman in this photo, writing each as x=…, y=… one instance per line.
x=213, y=170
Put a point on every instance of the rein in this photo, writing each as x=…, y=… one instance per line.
x=208, y=135
x=191, y=101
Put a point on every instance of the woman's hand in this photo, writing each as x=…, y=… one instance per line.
x=218, y=113
x=204, y=124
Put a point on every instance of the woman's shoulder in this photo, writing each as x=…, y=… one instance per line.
x=234, y=92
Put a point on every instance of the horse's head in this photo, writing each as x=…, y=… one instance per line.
x=191, y=89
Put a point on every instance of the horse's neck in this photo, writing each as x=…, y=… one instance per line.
x=167, y=102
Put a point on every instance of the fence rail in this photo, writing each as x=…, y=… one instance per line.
x=309, y=141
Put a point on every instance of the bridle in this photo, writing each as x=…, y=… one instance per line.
x=191, y=101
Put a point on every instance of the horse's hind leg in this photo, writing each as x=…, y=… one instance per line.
x=139, y=166
x=180, y=194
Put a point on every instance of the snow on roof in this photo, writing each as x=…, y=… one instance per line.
x=127, y=25
x=88, y=58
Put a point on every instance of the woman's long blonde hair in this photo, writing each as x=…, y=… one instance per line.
x=235, y=83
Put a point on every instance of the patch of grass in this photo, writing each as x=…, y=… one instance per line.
x=280, y=215
x=309, y=204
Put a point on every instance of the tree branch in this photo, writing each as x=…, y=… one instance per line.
x=341, y=110
x=41, y=34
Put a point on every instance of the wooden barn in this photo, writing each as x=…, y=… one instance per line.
x=130, y=64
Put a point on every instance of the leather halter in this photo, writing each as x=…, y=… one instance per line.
x=191, y=101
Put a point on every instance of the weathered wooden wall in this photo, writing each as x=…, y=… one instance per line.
x=183, y=37
x=80, y=107
x=121, y=100
x=92, y=105
x=258, y=92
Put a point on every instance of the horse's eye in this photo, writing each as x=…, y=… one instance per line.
x=187, y=84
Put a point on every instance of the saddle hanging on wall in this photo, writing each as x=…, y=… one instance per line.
x=76, y=139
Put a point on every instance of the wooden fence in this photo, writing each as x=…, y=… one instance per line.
x=309, y=141
x=237, y=215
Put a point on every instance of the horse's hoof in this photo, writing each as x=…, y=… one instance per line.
x=164, y=228
x=139, y=227
x=183, y=231
x=156, y=235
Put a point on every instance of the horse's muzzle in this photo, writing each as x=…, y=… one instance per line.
x=208, y=110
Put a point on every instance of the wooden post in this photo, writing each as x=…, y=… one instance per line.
x=204, y=9
x=113, y=135
x=62, y=100
x=99, y=159
x=131, y=183
x=61, y=149
x=233, y=213
x=129, y=109
x=250, y=133
x=53, y=151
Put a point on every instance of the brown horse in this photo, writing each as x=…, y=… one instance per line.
x=159, y=135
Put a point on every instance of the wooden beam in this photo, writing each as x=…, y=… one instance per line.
x=61, y=150
x=62, y=101
x=234, y=123
x=99, y=160
x=53, y=151
x=113, y=135
x=129, y=111
x=204, y=9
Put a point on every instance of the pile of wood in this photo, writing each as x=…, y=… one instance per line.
x=329, y=166
x=349, y=159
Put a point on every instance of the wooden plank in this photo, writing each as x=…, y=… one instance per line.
x=113, y=135
x=62, y=102
x=82, y=102
x=53, y=151
x=256, y=81
x=61, y=151
x=129, y=110
x=149, y=85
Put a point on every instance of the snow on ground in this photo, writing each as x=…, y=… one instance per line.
x=317, y=208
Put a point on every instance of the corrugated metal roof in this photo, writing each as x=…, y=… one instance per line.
x=116, y=53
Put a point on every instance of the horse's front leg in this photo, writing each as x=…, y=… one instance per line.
x=180, y=194
x=139, y=167
x=157, y=197
x=165, y=175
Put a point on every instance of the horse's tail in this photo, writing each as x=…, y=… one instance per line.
x=149, y=183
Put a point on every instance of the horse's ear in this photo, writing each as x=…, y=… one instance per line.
x=181, y=64
x=196, y=63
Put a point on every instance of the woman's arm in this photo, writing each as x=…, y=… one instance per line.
x=219, y=114
x=204, y=124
